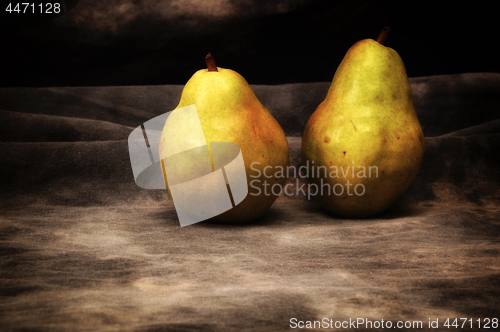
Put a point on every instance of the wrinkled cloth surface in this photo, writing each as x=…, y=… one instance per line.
x=83, y=248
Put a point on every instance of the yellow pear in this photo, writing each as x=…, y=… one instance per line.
x=229, y=111
x=363, y=145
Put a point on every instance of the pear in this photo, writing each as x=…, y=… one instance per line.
x=229, y=111
x=363, y=145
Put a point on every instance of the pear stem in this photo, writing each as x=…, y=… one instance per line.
x=383, y=35
x=209, y=60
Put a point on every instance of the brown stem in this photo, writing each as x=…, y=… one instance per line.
x=383, y=35
x=209, y=60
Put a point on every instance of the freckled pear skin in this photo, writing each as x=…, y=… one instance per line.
x=367, y=121
x=229, y=111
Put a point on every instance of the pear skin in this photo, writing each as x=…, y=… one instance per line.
x=365, y=133
x=229, y=111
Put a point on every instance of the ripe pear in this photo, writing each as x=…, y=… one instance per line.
x=229, y=111
x=365, y=133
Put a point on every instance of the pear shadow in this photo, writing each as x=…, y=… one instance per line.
x=399, y=209
x=393, y=212
x=273, y=216
x=168, y=216
x=397, y=212
x=310, y=211
x=313, y=207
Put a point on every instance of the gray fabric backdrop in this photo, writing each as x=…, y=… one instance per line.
x=83, y=248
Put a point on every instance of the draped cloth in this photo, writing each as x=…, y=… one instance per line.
x=83, y=247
